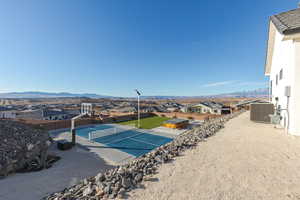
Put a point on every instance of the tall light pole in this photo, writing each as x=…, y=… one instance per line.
x=138, y=97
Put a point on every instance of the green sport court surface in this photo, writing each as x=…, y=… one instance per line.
x=147, y=123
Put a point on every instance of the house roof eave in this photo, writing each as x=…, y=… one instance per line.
x=270, y=48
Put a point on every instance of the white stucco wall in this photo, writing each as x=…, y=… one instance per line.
x=295, y=90
x=284, y=57
x=30, y=114
x=8, y=114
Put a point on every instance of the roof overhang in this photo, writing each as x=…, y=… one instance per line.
x=295, y=36
x=270, y=48
x=271, y=42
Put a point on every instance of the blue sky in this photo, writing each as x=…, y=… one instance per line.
x=113, y=46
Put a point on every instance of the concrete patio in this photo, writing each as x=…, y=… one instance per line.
x=75, y=165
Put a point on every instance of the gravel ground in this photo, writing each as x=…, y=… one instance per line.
x=245, y=160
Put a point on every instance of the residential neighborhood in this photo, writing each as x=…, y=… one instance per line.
x=117, y=107
x=150, y=100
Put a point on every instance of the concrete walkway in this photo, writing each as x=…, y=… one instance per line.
x=245, y=160
x=170, y=131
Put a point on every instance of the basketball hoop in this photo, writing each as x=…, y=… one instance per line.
x=86, y=109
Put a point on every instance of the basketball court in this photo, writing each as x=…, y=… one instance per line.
x=115, y=143
x=135, y=142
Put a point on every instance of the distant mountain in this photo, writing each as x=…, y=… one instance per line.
x=262, y=92
x=48, y=95
x=165, y=97
x=251, y=93
x=258, y=93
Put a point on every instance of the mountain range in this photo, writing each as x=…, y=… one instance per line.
x=263, y=92
x=258, y=93
x=30, y=94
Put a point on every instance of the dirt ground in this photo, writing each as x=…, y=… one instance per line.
x=245, y=160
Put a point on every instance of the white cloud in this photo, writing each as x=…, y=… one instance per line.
x=253, y=83
x=235, y=82
x=215, y=84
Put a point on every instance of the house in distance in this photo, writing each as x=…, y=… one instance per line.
x=209, y=107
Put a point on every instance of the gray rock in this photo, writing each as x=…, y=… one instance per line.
x=89, y=190
x=138, y=177
x=112, y=196
x=30, y=147
x=85, y=181
x=107, y=189
x=126, y=183
x=122, y=192
x=23, y=148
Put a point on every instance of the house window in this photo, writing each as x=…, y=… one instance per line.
x=276, y=79
x=280, y=74
x=271, y=88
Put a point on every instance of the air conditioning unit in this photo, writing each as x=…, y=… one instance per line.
x=260, y=112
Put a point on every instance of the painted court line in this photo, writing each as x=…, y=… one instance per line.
x=141, y=141
x=118, y=140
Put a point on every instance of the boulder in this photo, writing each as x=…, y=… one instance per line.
x=22, y=148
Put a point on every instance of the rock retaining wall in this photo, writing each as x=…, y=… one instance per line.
x=21, y=147
x=116, y=182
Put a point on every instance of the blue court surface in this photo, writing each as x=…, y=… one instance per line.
x=132, y=142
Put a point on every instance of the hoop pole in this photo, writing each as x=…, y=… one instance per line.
x=138, y=111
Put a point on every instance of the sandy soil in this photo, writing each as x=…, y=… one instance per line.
x=246, y=160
